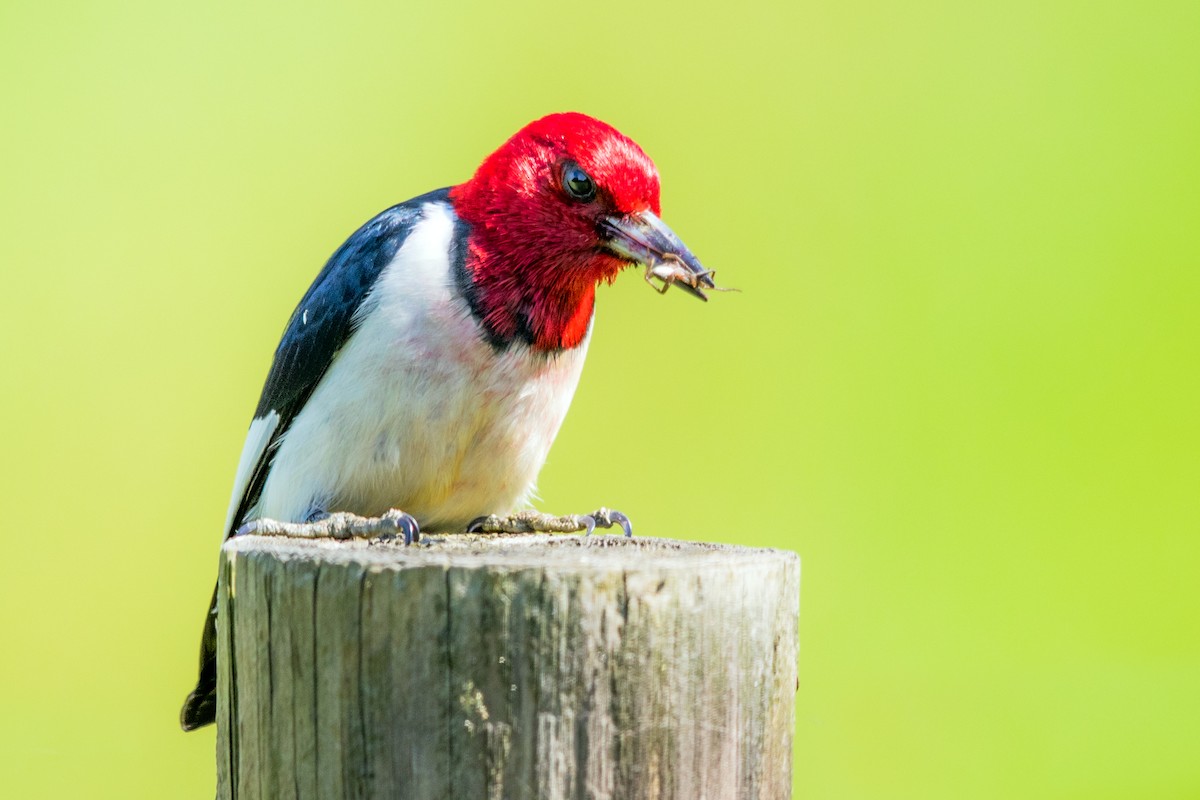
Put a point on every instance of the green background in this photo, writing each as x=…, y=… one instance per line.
x=961, y=379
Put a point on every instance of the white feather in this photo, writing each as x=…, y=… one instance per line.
x=259, y=435
x=418, y=411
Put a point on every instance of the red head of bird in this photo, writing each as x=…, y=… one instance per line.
x=564, y=204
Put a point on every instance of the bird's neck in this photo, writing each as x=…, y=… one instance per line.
x=530, y=297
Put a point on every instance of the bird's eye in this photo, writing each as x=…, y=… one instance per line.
x=577, y=184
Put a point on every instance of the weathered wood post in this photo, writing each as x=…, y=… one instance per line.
x=506, y=667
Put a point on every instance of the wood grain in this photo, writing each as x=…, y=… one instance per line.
x=505, y=667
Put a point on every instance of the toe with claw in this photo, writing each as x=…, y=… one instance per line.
x=606, y=518
x=538, y=522
x=340, y=525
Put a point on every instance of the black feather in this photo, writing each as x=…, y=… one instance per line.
x=309, y=344
x=317, y=330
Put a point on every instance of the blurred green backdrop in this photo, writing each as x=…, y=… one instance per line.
x=961, y=379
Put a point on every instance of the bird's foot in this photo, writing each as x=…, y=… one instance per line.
x=537, y=522
x=340, y=525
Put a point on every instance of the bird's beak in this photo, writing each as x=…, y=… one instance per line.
x=646, y=240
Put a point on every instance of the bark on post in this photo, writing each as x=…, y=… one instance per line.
x=506, y=667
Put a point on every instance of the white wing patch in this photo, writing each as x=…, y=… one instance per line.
x=257, y=439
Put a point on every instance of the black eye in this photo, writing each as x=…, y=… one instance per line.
x=577, y=183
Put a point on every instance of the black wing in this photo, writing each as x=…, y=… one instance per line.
x=318, y=328
x=322, y=323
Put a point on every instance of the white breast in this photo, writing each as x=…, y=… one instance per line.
x=418, y=411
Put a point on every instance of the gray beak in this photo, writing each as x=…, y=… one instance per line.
x=646, y=240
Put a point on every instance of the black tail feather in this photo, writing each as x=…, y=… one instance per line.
x=200, y=708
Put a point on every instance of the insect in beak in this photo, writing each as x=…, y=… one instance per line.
x=645, y=239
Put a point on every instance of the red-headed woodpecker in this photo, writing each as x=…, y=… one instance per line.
x=425, y=373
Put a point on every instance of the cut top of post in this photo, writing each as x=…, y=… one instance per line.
x=559, y=552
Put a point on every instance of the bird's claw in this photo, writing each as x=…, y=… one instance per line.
x=537, y=522
x=340, y=525
x=406, y=524
x=606, y=518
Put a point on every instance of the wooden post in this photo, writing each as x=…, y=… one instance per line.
x=505, y=667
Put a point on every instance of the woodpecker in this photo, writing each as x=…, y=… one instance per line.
x=424, y=375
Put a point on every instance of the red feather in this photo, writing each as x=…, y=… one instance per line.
x=535, y=253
